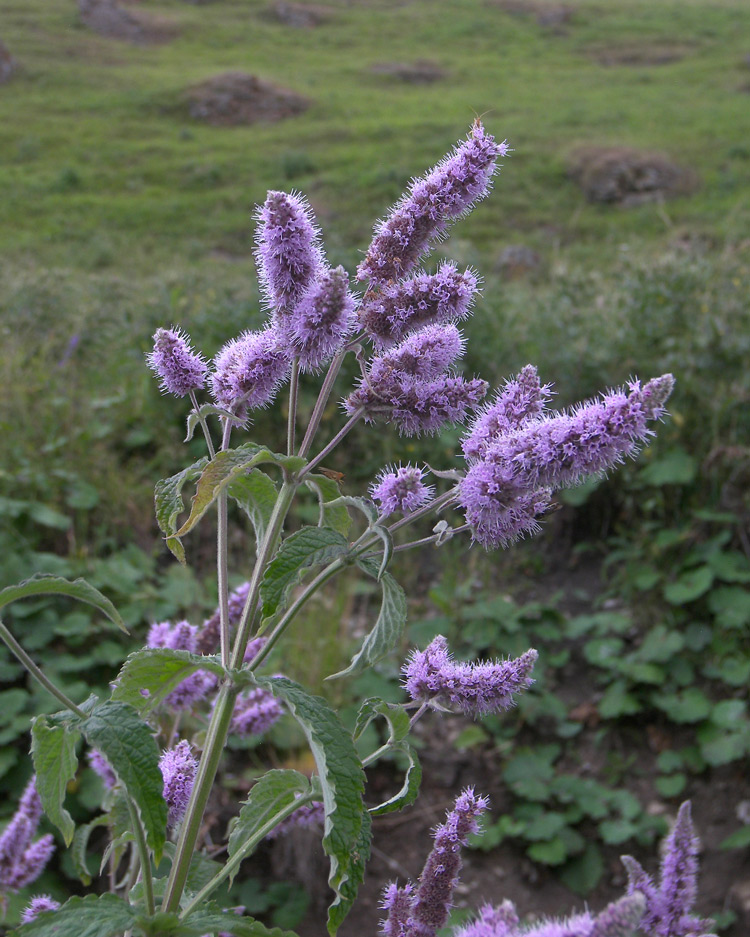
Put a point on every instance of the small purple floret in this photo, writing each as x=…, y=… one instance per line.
x=21, y=861
x=38, y=905
x=181, y=637
x=179, y=368
x=249, y=370
x=178, y=768
x=103, y=768
x=321, y=321
x=424, y=355
x=401, y=488
x=255, y=712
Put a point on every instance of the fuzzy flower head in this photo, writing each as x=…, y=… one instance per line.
x=288, y=252
x=320, y=322
x=21, y=860
x=433, y=675
x=181, y=637
x=255, y=712
x=249, y=370
x=207, y=640
x=425, y=354
x=179, y=368
x=38, y=905
x=178, y=768
x=431, y=203
x=103, y=768
x=401, y=488
x=437, y=298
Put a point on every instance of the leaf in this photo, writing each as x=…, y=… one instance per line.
x=210, y=919
x=80, y=846
x=583, y=873
x=671, y=785
x=544, y=827
x=366, y=507
x=207, y=409
x=737, y=840
x=53, y=749
x=552, y=852
x=347, y=830
x=309, y=546
x=334, y=515
x=388, y=628
x=223, y=469
x=256, y=493
x=268, y=797
x=169, y=504
x=409, y=789
x=689, y=586
x=148, y=676
x=126, y=742
x=92, y=916
x=690, y=705
x=675, y=467
x=394, y=714
x=54, y=585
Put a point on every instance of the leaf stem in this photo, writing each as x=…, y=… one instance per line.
x=140, y=842
x=203, y=423
x=350, y=423
x=15, y=648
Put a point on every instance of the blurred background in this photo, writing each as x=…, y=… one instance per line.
x=137, y=136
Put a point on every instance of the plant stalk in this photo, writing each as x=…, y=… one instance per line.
x=143, y=854
x=320, y=403
x=350, y=423
x=292, y=417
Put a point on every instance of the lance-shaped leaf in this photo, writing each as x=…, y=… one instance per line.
x=256, y=494
x=347, y=829
x=224, y=468
x=210, y=919
x=92, y=916
x=206, y=409
x=269, y=797
x=80, y=847
x=53, y=585
x=394, y=714
x=128, y=745
x=409, y=789
x=148, y=676
x=388, y=628
x=333, y=513
x=169, y=504
x=53, y=749
x=366, y=507
x=309, y=546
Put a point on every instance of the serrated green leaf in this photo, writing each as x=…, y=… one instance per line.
x=394, y=714
x=269, y=797
x=690, y=705
x=157, y=671
x=207, y=409
x=169, y=504
x=54, y=585
x=53, y=749
x=333, y=513
x=161, y=924
x=409, y=789
x=80, y=846
x=388, y=628
x=553, y=852
x=92, y=916
x=689, y=586
x=127, y=743
x=210, y=919
x=618, y=702
x=617, y=831
x=256, y=494
x=544, y=827
x=223, y=469
x=309, y=546
x=347, y=830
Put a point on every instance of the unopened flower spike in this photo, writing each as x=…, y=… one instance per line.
x=249, y=370
x=180, y=368
x=431, y=203
x=321, y=321
x=425, y=354
x=21, y=860
x=401, y=488
x=38, y=905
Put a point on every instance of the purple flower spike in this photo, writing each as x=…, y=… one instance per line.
x=255, y=712
x=425, y=354
x=492, y=922
x=432, y=898
x=474, y=688
x=620, y=918
x=208, y=636
x=288, y=252
x=433, y=201
x=181, y=637
x=178, y=768
x=179, y=368
x=21, y=861
x=249, y=370
x=321, y=321
x=520, y=400
x=427, y=299
x=38, y=905
x=103, y=768
x=401, y=488
x=397, y=903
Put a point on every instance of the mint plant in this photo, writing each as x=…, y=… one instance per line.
x=159, y=775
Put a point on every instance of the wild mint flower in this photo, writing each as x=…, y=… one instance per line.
x=208, y=637
x=474, y=688
x=519, y=401
x=423, y=214
x=401, y=488
x=103, y=768
x=21, y=861
x=38, y=905
x=669, y=904
x=179, y=368
x=322, y=319
x=249, y=370
x=181, y=637
x=396, y=901
x=304, y=817
x=426, y=299
x=288, y=252
x=424, y=354
x=178, y=768
x=255, y=712
x=500, y=921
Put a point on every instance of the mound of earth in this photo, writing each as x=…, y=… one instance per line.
x=421, y=72
x=234, y=98
x=8, y=64
x=298, y=15
x=624, y=176
x=109, y=19
x=639, y=53
x=551, y=15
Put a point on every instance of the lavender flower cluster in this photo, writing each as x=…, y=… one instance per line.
x=21, y=860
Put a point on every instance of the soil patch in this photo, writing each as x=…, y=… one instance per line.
x=298, y=15
x=107, y=18
x=421, y=72
x=8, y=65
x=639, y=53
x=624, y=176
x=236, y=98
x=550, y=15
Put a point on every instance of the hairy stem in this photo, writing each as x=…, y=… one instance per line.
x=204, y=424
x=222, y=561
x=143, y=854
x=15, y=648
x=293, y=397
x=320, y=403
x=350, y=423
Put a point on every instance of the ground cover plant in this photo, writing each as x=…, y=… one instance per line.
x=518, y=451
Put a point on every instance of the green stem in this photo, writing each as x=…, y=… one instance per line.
x=140, y=842
x=320, y=403
x=28, y=663
x=292, y=418
x=235, y=861
x=350, y=423
x=222, y=574
x=204, y=425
